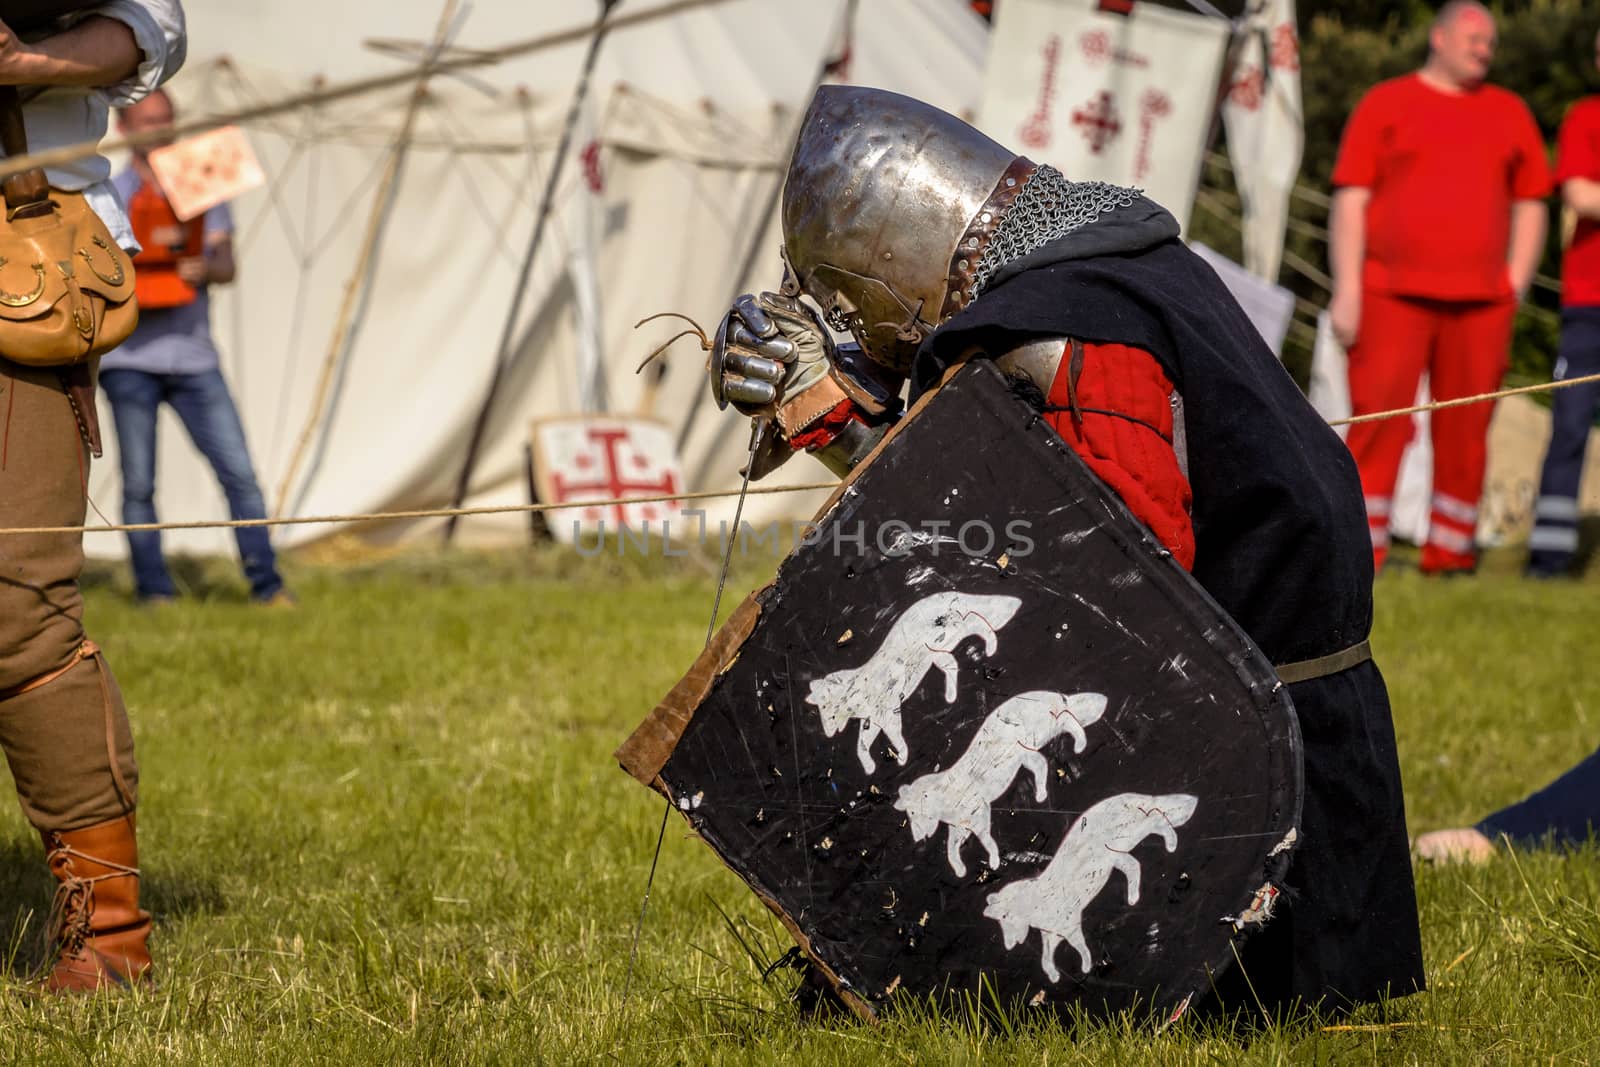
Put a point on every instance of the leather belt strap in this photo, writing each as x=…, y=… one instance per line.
x=87, y=650
x=1307, y=669
x=1074, y=372
x=78, y=383
x=797, y=415
x=961, y=282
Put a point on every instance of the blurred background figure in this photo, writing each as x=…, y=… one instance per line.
x=1564, y=813
x=1555, y=530
x=171, y=358
x=1438, y=224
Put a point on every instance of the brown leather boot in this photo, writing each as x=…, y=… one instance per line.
x=97, y=928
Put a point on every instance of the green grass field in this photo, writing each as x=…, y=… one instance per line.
x=387, y=828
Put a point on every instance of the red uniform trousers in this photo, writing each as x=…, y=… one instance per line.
x=1463, y=346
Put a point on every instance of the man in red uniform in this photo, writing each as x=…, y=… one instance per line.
x=1438, y=224
x=1555, y=530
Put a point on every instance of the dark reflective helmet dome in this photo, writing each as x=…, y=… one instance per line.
x=880, y=192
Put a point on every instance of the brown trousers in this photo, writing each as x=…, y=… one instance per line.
x=58, y=737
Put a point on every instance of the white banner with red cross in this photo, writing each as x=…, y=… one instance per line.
x=1266, y=132
x=605, y=458
x=1123, y=98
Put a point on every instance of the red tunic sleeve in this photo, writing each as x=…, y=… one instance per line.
x=1124, y=432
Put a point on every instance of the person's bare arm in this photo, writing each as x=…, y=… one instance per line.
x=220, y=266
x=1347, y=247
x=215, y=266
x=96, y=52
x=1582, y=195
x=1529, y=221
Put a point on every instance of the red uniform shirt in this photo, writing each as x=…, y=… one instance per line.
x=1579, y=157
x=1443, y=169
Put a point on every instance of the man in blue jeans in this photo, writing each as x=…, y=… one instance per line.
x=172, y=358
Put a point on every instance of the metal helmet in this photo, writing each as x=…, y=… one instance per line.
x=887, y=206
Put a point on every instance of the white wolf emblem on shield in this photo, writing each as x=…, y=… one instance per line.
x=925, y=636
x=1100, y=841
x=1009, y=742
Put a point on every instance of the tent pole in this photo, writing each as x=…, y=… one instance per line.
x=1205, y=7
x=748, y=261
x=360, y=280
x=746, y=264
x=503, y=353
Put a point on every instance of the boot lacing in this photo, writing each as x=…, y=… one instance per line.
x=71, y=910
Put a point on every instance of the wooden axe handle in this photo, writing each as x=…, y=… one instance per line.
x=13, y=133
x=27, y=193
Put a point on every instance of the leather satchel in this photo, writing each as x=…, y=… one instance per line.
x=66, y=289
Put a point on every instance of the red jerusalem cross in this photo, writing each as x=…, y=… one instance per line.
x=1099, y=122
x=1285, y=48
x=612, y=483
x=592, y=175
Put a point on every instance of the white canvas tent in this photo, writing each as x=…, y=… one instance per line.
x=691, y=116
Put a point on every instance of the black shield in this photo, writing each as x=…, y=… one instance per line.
x=983, y=734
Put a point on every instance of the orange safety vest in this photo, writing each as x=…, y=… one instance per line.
x=165, y=240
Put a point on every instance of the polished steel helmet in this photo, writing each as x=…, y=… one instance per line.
x=887, y=207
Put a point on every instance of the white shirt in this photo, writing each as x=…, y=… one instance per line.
x=61, y=116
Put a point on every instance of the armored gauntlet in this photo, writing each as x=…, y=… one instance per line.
x=767, y=355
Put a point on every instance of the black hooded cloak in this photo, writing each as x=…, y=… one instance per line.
x=1282, y=544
